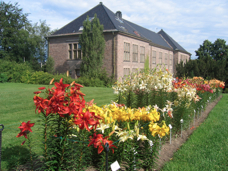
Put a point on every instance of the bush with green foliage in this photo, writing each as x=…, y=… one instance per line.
x=3, y=78
x=13, y=70
x=23, y=73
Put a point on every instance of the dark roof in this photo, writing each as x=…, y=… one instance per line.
x=171, y=41
x=110, y=22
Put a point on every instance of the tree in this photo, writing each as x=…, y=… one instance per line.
x=38, y=32
x=49, y=67
x=146, y=65
x=217, y=50
x=21, y=41
x=205, y=50
x=220, y=50
x=13, y=35
x=92, y=44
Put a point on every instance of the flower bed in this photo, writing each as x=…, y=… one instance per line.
x=75, y=132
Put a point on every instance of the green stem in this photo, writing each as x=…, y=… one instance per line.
x=45, y=138
x=64, y=141
x=30, y=150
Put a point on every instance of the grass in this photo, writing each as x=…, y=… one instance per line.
x=207, y=147
x=16, y=105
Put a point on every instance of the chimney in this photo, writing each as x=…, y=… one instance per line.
x=101, y=3
x=119, y=14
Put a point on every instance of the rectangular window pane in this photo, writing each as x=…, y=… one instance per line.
x=75, y=54
x=79, y=54
x=70, y=54
x=135, y=53
x=75, y=46
x=70, y=46
x=134, y=70
x=126, y=71
x=142, y=54
x=160, y=57
x=126, y=51
x=171, y=59
x=154, y=57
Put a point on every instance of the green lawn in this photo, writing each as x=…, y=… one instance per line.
x=16, y=105
x=207, y=147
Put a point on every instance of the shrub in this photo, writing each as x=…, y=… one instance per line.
x=14, y=70
x=3, y=78
x=23, y=73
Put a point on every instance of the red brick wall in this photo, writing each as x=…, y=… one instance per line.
x=58, y=49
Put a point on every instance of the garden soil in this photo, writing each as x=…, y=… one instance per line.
x=167, y=149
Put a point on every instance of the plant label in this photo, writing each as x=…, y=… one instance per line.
x=115, y=166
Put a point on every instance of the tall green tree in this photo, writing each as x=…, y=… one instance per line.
x=92, y=44
x=205, y=50
x=13, y=34
x=49, y=67
x=20, y=40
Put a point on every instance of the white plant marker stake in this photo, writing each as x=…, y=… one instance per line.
x=151, y=145
x=181, y=121
x=159, y=144
x=135, y=152
x=170, y=127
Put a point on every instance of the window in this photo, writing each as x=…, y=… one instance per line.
x=142, y=54
x=170, y=69
x=126, y=51
x=186, y=59
x=166, y=60
x=134, y=70
x=170, y=60
x=70, y=51
x=160, y=57
x=181, y=58
x=75, y=51
x=126, y=72
x=154, y=57
x=135, y=53
x=141, y=69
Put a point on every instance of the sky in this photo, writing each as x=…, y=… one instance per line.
x=188, y=22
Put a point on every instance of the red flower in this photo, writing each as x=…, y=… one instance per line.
x=95, y=140
x=60, y=85
x=85, y=119
x=23, y=143
x=22, y=134
x=110, y=143
x=37, y=92
x=26, y=126
x=98, y=141
x=41, y=88
x=40, y=103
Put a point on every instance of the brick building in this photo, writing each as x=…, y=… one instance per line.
x=127, y=45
